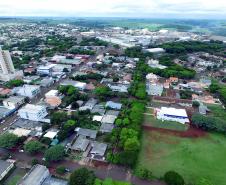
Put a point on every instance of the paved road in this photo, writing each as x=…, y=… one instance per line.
x=104, y=171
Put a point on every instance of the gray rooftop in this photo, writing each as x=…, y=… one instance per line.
x=4, y=165
x=98, y=148
x=35, y=176
x=54, y=181
x=87, y=132
x=27, y=124
x=106, y=128
x=15, y=99
x=112, y=112
x=80, y=144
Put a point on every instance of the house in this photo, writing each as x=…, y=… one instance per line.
x=80, y=144
x=33, y=112
x=89, y=105
x=113, y=105
x=152, y=78
x=4, y=112
x=20, y=132
x=112, y=112
x=51, y=133
x=106, y=128
x=5, y=167
x=88, y=133
x=154, y=89
x=98, y=150
x=173, y=80
x=34, y=126
x=27, y=90
x=13, y=102
x=119, y=88
x=79, y=85
x=172, y=114
x=30, y=79
x=53, y=98
x=109, y=119
x=45, y=70
x=98, y=108
x=46, y=82
x=40, y=175
x=203, y=109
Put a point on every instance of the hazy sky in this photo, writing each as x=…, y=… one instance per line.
x=115, y=8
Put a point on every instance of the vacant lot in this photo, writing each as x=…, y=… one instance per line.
x=191, y=157
x=217, y=111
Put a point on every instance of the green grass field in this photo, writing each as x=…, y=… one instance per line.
x=171, y=125
x=193, y=158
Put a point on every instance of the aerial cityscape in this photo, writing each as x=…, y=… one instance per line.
x=112, y=92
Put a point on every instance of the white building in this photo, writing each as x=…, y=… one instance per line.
x=13, y=102
x=33, y=112
x=7, y=70
x=46, y=70
x=154, y=89
x=172, y=114
x=28, y=91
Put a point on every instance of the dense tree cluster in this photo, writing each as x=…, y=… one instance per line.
x=90, y=76
x=193, y=46
x=71, y=95
x=92, y=42
x=33, y=147
x=14, y=83
x=8, y=140
x=54, y=153
x=136, y=52
x=209, y=123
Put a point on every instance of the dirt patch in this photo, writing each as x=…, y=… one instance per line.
x=192, y=132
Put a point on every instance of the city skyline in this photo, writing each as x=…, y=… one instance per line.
x=117, y=8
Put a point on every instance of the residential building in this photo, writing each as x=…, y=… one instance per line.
x=113, y=105
x=5, y=167
x=53, y=98
x=7, y=70
x=40, y=175
x=46, y=70
x=172, y=114
x=154, y=89
x=79, y=85
x=28, y=90
x=13, y=102
x=80, y=144
x=33, y=112
x=88, y=133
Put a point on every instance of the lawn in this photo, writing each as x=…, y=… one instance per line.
x=171, y=125
x=193, y=158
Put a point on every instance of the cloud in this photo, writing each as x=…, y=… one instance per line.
x=115, y=8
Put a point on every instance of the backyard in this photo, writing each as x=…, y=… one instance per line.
x=193, y=158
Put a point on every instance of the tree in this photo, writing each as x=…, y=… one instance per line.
x=132, y=144
x=195, y=104
x=33, y=147
x=34, y=162
x=60, y=170
x=57, y=118
x=103, y=92
x=54, y=153
x=82, y=176
x=8, y=140
x=173, y=178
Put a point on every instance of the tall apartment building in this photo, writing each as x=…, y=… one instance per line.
x=7, y=70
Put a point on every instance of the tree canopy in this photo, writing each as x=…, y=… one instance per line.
x=8, y=140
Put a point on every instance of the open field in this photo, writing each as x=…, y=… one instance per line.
x=171, y=125
x=193, y=158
